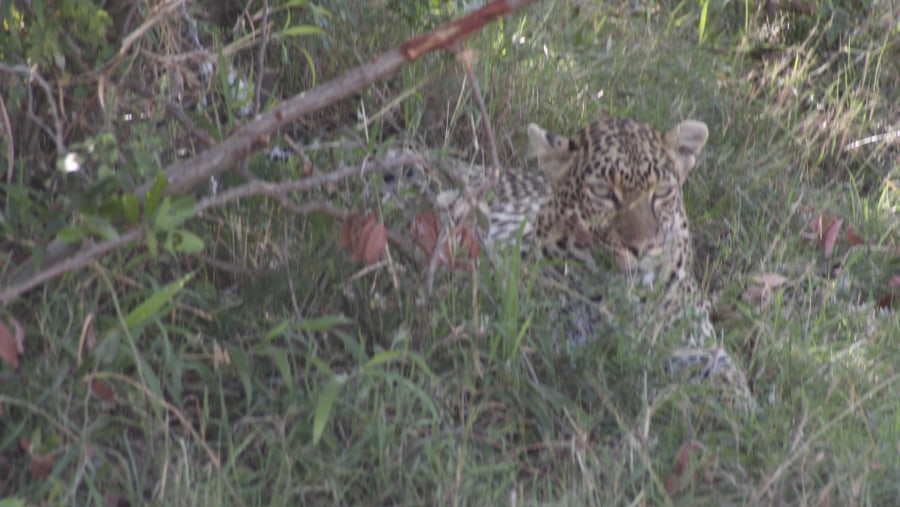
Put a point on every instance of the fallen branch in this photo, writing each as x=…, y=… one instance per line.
x=184, y=175
x=278, y=191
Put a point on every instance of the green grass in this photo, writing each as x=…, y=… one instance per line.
x=315, y=383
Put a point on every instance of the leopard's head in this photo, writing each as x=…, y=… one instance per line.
x=617, y=187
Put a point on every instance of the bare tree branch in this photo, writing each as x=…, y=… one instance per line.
x=184, y=175
x=79, y=260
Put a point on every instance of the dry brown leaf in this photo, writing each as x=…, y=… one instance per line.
x=852, y=237
x=9, y=351
x=103, y=390
x=90, y=334
x=827, y=230
x=362, y=237
x=19, y=335
x=830, y=237
x=359, y=237
x=763, y=288
x=820, y=223
x=469, y=241
x=692, y=457
x=220, y=357
x=373, y=245
x=41, y=466
x=347, y=231
x=769, y=280
x=425, y=231
x=112, y=499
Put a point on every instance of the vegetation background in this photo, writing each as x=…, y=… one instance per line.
x=239, y=356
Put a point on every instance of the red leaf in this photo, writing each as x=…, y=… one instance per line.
x=361, y=236
x=363, y=239
x=468, y=241
x=9, y=348
x=690, y=459
x=373, y=246
x=346, y=231
x=830, y=237
x=820, y=223
x=111, y=499
x=40, y=466
x=103, y=390
x=425, y=230
x=852, y=237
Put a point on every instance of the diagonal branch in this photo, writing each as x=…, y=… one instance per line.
x=185, y=175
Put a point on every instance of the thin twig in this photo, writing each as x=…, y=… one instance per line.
x=261, y=187
x=287, y=265
x=261, y=57
x=33, y=75
x=466, y=55
x=162, y=11
x=10, y=145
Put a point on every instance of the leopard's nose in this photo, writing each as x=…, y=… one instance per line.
x=640, y=245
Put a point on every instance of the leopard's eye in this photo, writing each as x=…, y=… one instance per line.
x=663, y=191
x=604, y=194
x=610, y=196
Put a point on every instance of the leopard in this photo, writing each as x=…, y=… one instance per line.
x=616, y=188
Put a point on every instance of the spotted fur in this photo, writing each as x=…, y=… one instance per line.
x=616, y=187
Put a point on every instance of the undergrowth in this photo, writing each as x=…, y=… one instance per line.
x=270, y=369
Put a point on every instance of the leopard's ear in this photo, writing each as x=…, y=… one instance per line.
x=686, y=140
x=551, y=150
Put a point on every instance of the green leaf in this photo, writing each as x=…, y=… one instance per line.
x=299, y=31
x=107, y=349
x=150, y=379
x=12, y=502
x=148, y=308
x=281, y=362
x=326, y=403
x=277, y=330
x=130, y=209
x=174, y=211
x=241, y=363
x=152, y=243
x=70, y=234
x=292, y=3
x=321, y=365
x=187, y=241
x=154, y=195
x=381, y=358
x=111, y=209
x=323, y=323
x=100, y=227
